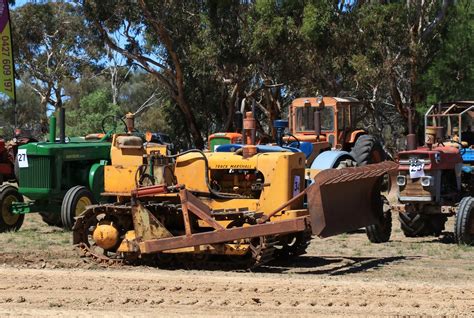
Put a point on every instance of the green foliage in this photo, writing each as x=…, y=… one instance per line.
x=52, y=47
x=451, y=75
x=28, y=118
x=316, y=19
x=199, y=59
x=88, y=117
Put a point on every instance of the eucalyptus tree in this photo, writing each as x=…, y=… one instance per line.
x=52, y=48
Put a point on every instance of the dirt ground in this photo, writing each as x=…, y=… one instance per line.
x=42, y=275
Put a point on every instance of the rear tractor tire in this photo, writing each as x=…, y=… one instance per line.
x=368, y=150
x=74, y=203
x=464, y=224
x=380, y=233
x=9, y=222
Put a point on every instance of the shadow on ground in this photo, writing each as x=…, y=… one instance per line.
x=334, y=266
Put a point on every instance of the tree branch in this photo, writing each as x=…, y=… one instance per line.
x=428, y=31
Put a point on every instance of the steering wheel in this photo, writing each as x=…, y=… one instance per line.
x=296, y=139
x=462, y=150
x=113, y=119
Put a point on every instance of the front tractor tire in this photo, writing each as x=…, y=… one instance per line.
x=420, y=225
x=464, y=223
x=380, y=233
x=9, y=222
x=368, y=150
x=74, y=203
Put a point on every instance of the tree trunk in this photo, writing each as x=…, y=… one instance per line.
x=231, y=107
x=190, y=122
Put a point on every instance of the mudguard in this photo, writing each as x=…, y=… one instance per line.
x=96, y=178
x=329, y=159
x=343, y=200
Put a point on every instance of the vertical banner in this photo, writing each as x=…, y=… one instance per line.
x=7, y=78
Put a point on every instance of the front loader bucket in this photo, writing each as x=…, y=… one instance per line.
x=343, y=200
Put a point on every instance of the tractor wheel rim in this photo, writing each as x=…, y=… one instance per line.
x=8, y=217
x=81, y=205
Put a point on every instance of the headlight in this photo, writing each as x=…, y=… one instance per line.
x=426, y=181
x=401, y=180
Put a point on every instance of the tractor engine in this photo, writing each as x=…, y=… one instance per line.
x=261, y=182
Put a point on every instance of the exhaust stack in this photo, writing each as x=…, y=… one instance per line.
x=411, y=137
x=52, y=128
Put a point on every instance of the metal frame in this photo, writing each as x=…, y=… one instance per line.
x=325, y=217
x=192, y=205
x=445, y=113
x=221, y=236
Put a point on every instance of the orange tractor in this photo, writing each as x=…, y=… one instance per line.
x=318, y=124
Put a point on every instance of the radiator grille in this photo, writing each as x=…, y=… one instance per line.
x=38, y=173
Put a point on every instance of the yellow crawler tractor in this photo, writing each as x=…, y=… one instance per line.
x=249, y=205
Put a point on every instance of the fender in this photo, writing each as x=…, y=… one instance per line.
x=326, y=160
x=96, y=179
x=352, y=137
x=329, y=159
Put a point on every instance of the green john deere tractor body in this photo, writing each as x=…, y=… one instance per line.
x=57, y=179
x=60, y=180
x=54, y=168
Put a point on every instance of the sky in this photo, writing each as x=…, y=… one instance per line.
x=19, y=3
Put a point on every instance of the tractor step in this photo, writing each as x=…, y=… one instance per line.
x=21, y=207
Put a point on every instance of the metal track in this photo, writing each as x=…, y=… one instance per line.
x=285, y=250
x=261, y=249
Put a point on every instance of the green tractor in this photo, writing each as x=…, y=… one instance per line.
x=58, y=178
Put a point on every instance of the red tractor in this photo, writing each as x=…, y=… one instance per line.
x=8, y=153
x=436, y=181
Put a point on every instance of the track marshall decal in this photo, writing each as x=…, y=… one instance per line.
x=233, y=166
x=7, y=79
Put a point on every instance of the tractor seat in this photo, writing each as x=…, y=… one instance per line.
x=449, y=148
x=455, y=144
x=95, y=136
x=129, y=142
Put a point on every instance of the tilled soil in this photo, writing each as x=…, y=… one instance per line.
x=41, y=275
x=124, y=292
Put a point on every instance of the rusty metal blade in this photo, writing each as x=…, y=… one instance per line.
x=342, y=200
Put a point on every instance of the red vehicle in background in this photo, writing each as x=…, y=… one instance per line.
x=8, y=153
x=436, y=181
